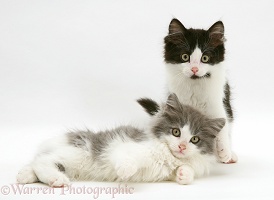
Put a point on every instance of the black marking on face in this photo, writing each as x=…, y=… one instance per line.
x=207, y=75
x=182, y=41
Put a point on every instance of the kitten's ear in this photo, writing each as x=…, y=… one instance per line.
x=217, y=31
x=173, y=102
x=217, y=124
x=149, y=105
x=176, y=26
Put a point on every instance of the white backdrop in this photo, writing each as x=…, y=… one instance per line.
x=82, y=64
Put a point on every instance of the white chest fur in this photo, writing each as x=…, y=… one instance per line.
x=205, y=94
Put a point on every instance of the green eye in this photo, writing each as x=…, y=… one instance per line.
x=195, y=139
x=205, y=58
x=185, y=57
x=176, y=132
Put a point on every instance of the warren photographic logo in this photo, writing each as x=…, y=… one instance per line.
x=95, y=192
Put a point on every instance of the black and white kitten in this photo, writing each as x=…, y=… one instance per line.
x=196, y=73
x=177, y=145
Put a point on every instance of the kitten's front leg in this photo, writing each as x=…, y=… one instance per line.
x=184, y=175
x=46, y=170
x=26, y=175
x=224, y=152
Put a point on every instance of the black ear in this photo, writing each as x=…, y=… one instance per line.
x=217, y=124
x=149, y=105
x=176, y=26
x=217, y=31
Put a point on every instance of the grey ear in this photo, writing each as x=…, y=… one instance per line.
x=217, y=31
x=217, y=124
x=150, y=106
x=176, y=26
x=173, y=102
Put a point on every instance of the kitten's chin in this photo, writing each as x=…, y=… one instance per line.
x=207, y=75
x=179, y=155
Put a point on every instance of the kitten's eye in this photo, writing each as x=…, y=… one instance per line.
x=176, y=132
x=185, y=57
x=205, y=58
x=195, y=139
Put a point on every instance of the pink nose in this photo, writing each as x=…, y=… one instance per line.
x=194, y=70
x=182, y=146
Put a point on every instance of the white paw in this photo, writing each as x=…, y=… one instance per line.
x=225, y=155
x=26, y=175
x=233, y=159
x=126, y=169
x=184, y=175
x=61, y=180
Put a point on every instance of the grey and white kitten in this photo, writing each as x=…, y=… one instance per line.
x=177, y=145
x=196, y=73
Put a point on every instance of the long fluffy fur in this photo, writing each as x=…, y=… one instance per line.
x=209, y=90
x=125, y=153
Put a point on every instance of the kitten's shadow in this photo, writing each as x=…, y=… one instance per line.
x=221, y=169
x=245, y=166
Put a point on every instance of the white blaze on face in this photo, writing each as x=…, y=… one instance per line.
x=195, y=57
x=195, y=66
x=187, y=148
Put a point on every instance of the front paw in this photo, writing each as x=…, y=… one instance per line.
x=59, y=180
x=26, y=175
x=225, y=155
x=184, y=175
x=126, y=169
x=233, y=159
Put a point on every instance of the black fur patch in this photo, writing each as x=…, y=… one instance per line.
x=207, y=75
x=181, y=40
x=226, y=102
x=149, y=105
